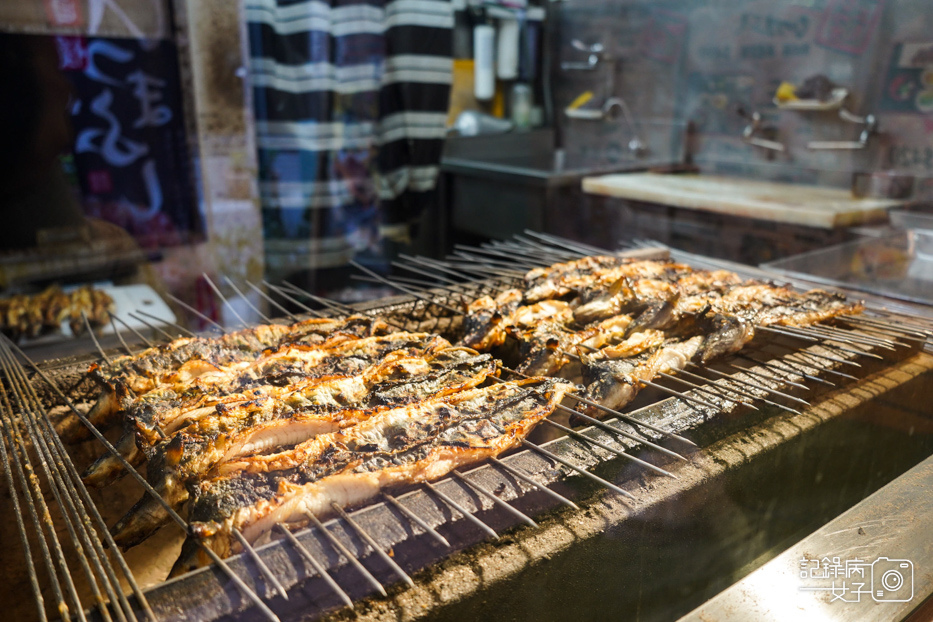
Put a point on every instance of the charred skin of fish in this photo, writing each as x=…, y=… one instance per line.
x=416, y=443
x=268, y=424
x=166, y=409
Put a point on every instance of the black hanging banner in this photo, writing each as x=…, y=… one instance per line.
x=131, y=155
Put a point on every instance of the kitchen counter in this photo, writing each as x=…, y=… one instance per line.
x=811, y=206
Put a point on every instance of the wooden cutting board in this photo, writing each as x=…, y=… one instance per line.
x=811, y=206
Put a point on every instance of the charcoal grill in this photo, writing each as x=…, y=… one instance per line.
x=411, y=552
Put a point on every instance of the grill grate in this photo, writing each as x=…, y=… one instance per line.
x=422, y=525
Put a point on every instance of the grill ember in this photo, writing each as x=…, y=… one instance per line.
x=268, y=425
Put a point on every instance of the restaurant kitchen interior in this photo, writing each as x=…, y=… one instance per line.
x=456, y=310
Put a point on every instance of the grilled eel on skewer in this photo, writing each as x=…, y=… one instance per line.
x=406, y=445
x=268, y=424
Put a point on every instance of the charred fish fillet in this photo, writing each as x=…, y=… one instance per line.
x=407, y=445
x=263, y=425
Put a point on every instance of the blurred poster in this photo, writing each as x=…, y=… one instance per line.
x=908, y=84
x=130, y=153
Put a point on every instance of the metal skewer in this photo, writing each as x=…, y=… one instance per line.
x=87, y=324
x=318, y=567
x=263, y=568
x=849, y=336
x=331, y=305
x=166, y=322
x=191, y=309
x=765, y=388
x=786, y=368
x=51, y=437
x=116, y=332
x=138, y=334
x=462, y=510
x=826, y=369
x=531, y=482
x=403, y=289
x=683, y=396
x=273, y=302
x=833, y=336
x=224, y=299
x=495, y=500
x=246, y=301
x=822, y=340
x=281, y=292
x=151, y=326
x=343, y=550
x=415, y=519
x=544, y=452
x=89, y=550
x=372, y=543
x=611, y=450
x=245, y=589
x=608, y=428
x=707, y=389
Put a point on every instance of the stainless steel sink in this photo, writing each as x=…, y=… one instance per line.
x=499, y=185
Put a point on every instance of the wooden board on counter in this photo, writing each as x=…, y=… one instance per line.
x=811, y=206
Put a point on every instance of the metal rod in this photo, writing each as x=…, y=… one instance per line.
x=787, y=369
x=440, y=267
x=885, y=331
x=75, y=520
x=493, y=253
x=272, y=301
x=283, y=294
x=883, y=325
x=729, y=377
x=87, y=324
x=75, y=484
x=608, y=428
x=826, y=369
x=263, y=568
x=34, y=497
x=403, y=289
x=834, y=336
x=724, y=386
x=249, y=304
x=135, y=332
x=738, y=381
x=155, y=328
x=544, y=452
x=766, y=388
x=611, y=450
x=527, y=479
x=263, y=607
x=463, y=511
x=628, y=418
x=851, y=336
x=579, y=247
x=343, y=550
x=318, y=567
x=816, y=339
x=705, y=389
x=24, y=538
x=166, y=322
x=684, y=396
x=415, y=519
x=191, y=309
x=333, y=305
x=372, y=543
x=87, y=554
x=146, y=485
x=224, y=299
x=830, y=358
x=495, y=500
x=116, y=332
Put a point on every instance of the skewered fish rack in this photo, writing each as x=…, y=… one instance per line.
x=631, y=460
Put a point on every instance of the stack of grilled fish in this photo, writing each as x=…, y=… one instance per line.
x=612, y=323
x=32, y=315
x=266, y=425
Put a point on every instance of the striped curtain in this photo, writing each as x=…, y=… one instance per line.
x=350, y=99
